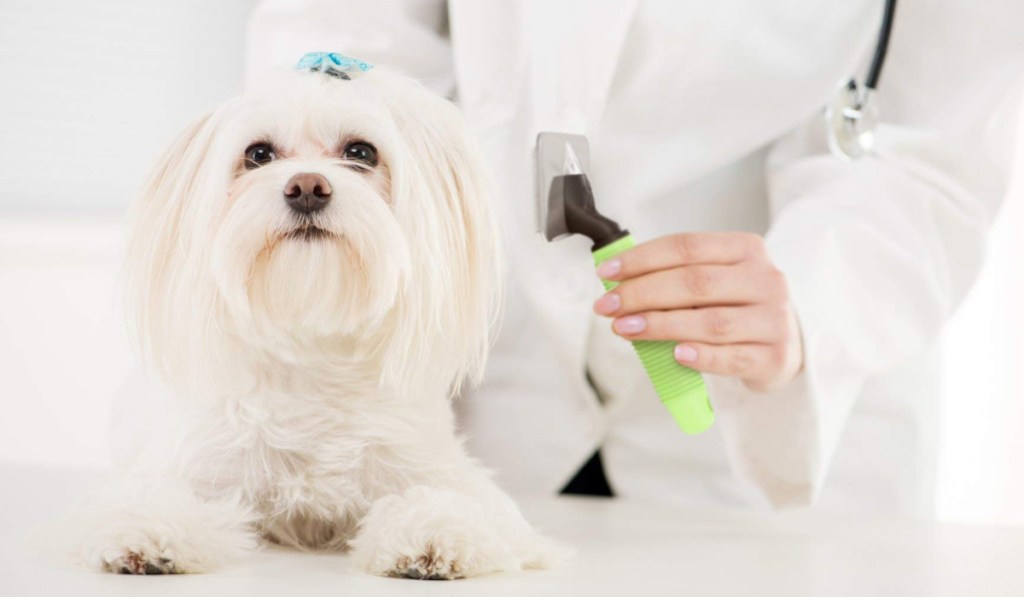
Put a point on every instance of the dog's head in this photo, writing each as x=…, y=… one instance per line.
x=314, y=218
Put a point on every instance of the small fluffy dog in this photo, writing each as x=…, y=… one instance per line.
x=313, y=271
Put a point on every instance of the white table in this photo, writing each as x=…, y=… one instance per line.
x=624, y=549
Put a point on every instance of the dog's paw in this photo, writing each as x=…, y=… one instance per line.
x=435, y=534
x=163, y=547
x=157, y=530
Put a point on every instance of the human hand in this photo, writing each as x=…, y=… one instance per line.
x=717, y=295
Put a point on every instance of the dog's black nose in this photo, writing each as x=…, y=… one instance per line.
x=307, y=192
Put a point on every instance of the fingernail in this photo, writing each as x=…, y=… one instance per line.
x=686, y=354
x=634, y=324
x=609, y=268
x=608, y=304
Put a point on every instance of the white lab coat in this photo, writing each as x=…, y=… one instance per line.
x=707, y=116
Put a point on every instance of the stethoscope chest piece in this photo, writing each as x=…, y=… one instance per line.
x=852, y=115
x=851, y=118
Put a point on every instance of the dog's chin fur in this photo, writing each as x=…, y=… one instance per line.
x=312, y=357
x=320, y=287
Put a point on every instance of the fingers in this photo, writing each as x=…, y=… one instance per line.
x=748, y=362
x=701, y=248
x=717, y=296
x=711, y=325
x=695, y=286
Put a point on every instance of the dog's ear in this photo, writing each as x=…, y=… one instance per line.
x=162, y=247
x=441, y=192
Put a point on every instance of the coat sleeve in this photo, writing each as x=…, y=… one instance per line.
x=407, y=35
x=879, y=252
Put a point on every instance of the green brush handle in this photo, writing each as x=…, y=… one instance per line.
x=680, y=388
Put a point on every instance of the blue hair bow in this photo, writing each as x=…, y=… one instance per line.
x=331, y=63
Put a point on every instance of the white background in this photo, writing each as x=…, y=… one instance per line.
x=91, y=92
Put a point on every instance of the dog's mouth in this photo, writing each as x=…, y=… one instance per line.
x=309, y=232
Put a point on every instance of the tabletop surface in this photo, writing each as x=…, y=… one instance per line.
x=622, y=548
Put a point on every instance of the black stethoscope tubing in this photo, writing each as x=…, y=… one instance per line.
x=875, y=71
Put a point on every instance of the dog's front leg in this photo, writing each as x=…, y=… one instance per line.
x=154, y=524
x=466, y=528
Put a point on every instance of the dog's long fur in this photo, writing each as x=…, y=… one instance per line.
x=312, y=377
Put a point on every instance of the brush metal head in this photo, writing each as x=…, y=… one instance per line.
x=572, y=161
x=558, y=154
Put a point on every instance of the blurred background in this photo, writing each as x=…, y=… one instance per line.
x=92, y=92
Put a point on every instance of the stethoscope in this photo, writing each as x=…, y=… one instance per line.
x=852, y=116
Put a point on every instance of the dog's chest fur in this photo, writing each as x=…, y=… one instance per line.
x=309, y=466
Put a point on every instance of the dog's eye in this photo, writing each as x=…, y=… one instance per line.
x=259, y=154
x=361, y=151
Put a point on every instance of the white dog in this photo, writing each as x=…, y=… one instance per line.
x=314, y=272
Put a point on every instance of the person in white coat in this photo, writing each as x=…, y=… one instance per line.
x=810, y=290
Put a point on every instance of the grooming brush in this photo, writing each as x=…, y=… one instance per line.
x=566, y=206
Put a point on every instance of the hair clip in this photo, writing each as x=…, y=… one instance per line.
x=331, y=63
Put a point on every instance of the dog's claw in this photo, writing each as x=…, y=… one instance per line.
x=429, y=566
x=137, y=563
x=152, y=569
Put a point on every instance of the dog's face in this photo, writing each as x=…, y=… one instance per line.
x=312, y=215
x=308, y=239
